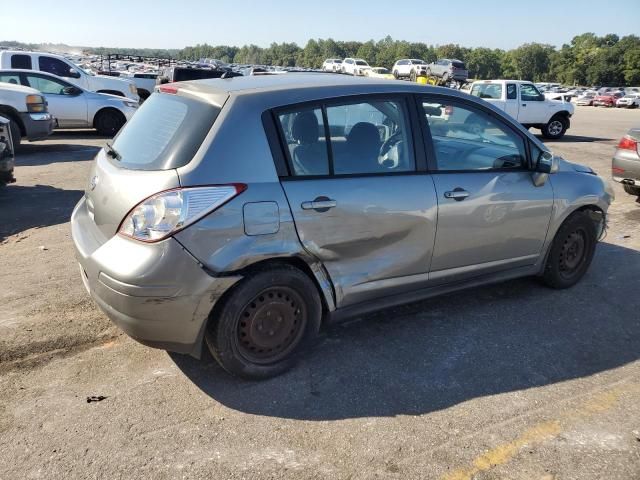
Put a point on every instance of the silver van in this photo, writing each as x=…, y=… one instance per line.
x=244, y=213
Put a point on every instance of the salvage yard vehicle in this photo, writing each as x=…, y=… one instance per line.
x=241, y=214
x=409, y=68
x=607, y=99
x=27, y=111
x=525, y=103
x=74, y=107
x=379, y=72
x=181, y=74
x=61, y=67
x=448, y=69
x=354, y=66
x=629, y=101
x=332, y=65
x=625, y=166
x=586, y=99
x=7, y=160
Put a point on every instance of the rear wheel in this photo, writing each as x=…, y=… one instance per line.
x=631, y=189
x=267, y=320
x=571, y=251
x=109, y=122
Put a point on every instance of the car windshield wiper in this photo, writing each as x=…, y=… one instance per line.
x=112, y=152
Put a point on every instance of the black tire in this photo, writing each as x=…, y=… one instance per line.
x=571, y=252
x=631, y=189
x=395, y=74
x=555, y=128
x=279, y=302
x=16, y=134
x=109, y=122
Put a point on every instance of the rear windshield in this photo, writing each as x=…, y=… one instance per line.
x=458, y=65
x=182, y=74
x=487, y=90
x=164, y=133
x=361, y=62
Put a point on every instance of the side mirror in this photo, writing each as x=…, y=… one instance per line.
x=73, y=73
x=547, y=163
x=71, y=91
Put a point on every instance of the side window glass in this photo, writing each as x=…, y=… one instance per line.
x=512, y=91
x=46, y=85
x=303, y=131
x=465, y=138
x=21, y=61
x=54, y=66
x=529, y=93
x=10, y=78
x=370, y=137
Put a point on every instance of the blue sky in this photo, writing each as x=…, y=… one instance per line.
x=175, y=24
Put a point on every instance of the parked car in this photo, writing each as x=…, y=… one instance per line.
x=586, y=99
x=7, y=160
x=607, y=99
x=181, y=74
x=332, y=65
x=75, y=107
x=379, y=72
x=182, y=247
x=525, y=103
x=625, y=166
x=448, y=69
x=354, y=66
x=145, y=83
x=27, y=112
x=61, y=67
x=629, y=101
x=409, y=68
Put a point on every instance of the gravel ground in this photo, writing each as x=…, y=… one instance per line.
x=511, y=381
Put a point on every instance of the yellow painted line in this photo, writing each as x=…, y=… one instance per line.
x=539, y=433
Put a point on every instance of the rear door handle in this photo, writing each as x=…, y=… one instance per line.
x=320, y=204
x=457, y=194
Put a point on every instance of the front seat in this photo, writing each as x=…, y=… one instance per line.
x=362, y=150
x=309, y=155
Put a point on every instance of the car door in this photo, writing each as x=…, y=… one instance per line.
x=532, y=108
x=69, y=109
x=358, y=203
x=491, y=216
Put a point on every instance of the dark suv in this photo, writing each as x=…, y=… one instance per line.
x=182, y=74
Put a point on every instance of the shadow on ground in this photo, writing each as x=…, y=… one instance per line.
x=35, y=154
x=25, y=207
x=431, y=355
x=575, y=139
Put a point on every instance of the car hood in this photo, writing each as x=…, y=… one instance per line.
x=567, y=166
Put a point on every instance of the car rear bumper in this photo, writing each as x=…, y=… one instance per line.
x=38, y=125
x=157, y=293
x=625, y=167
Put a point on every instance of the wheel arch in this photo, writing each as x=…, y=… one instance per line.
x=103, y=110
x=9, y=111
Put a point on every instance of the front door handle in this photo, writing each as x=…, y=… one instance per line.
x=457, y=194
x=320, y=204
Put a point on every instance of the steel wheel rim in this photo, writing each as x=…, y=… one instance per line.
x=271, y=325
x=573, y=253
x=555, y=127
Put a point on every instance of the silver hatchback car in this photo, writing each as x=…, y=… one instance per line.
x=243, y=213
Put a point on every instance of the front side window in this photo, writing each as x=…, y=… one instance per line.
x=21, y=61
x=359, y=138
x=529, y=93
x=54, y=66
x=48, y=86
x=466, y=138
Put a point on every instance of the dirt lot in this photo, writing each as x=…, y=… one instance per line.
x=512, y=381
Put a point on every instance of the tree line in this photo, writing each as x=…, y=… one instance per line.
x=587, y=60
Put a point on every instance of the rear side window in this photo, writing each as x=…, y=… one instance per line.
x=165, y=132
x=512, y=91
x=10, y=78
x=21, y=61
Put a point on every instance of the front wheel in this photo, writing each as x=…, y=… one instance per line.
x=266, y=321
x=571, y=251
x=16, y=134
x=109, y=122
x=555, y=128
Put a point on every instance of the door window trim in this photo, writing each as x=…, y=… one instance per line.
x=453, y=101
x=322, y=104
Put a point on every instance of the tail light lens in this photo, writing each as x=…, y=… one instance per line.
x=166, y=213
x=36, y=104
x=628, y=143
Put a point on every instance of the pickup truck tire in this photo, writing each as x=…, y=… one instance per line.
x=108, y=122
x=631, y=189
x=555, y=128
x=16, y=134
x=571, y=251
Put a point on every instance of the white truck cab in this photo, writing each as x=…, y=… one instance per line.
x=27, y=112
x=524, y=102
x=60, y=66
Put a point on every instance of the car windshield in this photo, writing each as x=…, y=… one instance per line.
x=337, y=61
x=418, y=62
x=361, y=62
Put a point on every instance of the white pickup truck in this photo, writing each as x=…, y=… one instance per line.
x=60, y=66
x=525, y=103
x=27, y=112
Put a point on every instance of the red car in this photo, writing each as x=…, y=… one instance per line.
x=607, y=99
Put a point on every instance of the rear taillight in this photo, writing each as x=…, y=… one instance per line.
x=168, y=212
x=628, y=143
x=36, y=104
x=169, y=88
